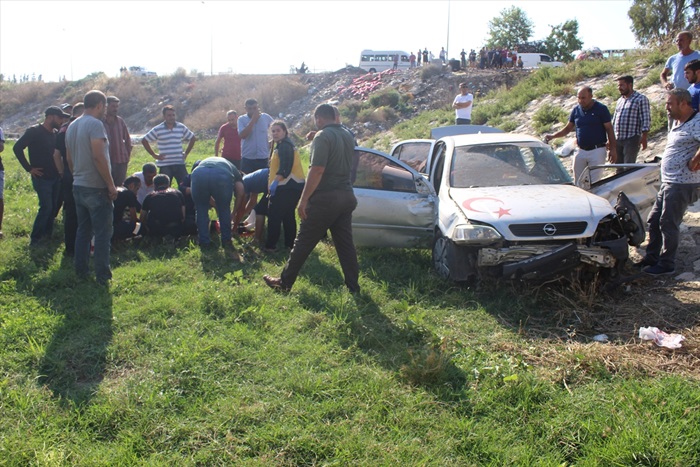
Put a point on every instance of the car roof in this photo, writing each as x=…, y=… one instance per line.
x=491, y=138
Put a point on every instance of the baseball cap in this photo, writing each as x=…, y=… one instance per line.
x=55, y=110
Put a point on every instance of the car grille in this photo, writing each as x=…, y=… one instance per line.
x=551, y=229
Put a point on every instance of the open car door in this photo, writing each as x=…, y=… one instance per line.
x=396, y=206
x=639, y=182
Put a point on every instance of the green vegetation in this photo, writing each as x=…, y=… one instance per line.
x=547, y=116
x=188, y=359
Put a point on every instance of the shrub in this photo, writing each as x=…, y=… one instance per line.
x=546, y=116
x=659, y=119
x=386, y=97
x=429, y=71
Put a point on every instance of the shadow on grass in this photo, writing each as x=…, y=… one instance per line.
x=74, y=362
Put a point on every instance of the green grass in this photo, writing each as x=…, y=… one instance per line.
x=188, y=359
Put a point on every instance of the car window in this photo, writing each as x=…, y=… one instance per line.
x=414, y=154
x=509, y=164
x=380, y=173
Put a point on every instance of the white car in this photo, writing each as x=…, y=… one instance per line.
x=499, y=205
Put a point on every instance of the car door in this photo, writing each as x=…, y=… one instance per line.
x=413, y=152
x=640, y=182
x=396, y=206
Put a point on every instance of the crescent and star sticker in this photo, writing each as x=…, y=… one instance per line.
x=467, y=203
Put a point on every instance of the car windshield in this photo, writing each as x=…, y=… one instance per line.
x=506, y=164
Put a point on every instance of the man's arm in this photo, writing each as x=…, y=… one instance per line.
x=216, y=144
x=144, y=217
x=563, y=132
x=461, y=105
x=694, y=162
x=127, y=142
x=149, y=150
x=664, y=78
x=98, y=157
x=69, y=159
x=132, y=215
x=190, y=145
x=312, y=181
x=18, y=149
x=251, y=125
x=612, y=156
x=58, y=162
x=2, y=146
x=645, y=116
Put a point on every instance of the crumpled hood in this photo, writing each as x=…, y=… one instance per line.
x=529, y=204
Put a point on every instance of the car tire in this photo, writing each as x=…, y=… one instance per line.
x=441, y=262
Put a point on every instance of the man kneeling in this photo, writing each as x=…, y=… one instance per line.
x=163, y=211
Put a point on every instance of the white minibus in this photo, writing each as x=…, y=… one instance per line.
x=380, y=60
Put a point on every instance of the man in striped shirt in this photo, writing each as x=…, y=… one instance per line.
x=631, y=121
x=170, y=135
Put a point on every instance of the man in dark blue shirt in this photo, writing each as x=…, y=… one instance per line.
x=594, y=133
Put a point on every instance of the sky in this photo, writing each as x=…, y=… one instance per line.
x=76, y=38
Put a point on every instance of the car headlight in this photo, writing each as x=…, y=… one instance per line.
x=475, y=234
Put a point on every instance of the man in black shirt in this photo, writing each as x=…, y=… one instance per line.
x=41, y=141
x=125, y=206
x=163, y=211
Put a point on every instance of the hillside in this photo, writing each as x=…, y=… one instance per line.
x=202, y=101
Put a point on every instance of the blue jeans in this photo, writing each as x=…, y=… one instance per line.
x=47, y=191
x=210, y=182
x=95, y=214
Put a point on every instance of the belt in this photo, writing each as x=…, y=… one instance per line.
x=591, y=148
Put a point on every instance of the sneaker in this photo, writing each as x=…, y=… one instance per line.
x=658, y=270
x=275, y=283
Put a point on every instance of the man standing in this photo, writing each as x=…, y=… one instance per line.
x=676, y=63
x=463, y=105
x=631, y=121
x=119, y=141
x=412, y=60
x=252, y=128
x=70, y=218
x=40, y=140
x=87, y=151
x=592, y=122
x=170, y=135
x=679, y=187
x=232, y=141
x=692, y=74
x=327, y=202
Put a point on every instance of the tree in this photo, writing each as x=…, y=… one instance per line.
x=563, y=41
x=510, y=28
x=656, y=21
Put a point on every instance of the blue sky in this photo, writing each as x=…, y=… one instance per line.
x=75, y=38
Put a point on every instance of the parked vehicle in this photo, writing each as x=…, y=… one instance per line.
x=499, y=205
x=538, y=60
x=380, y=60
x=141, y=71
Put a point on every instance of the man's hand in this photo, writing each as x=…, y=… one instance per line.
x=158, y=157
x=694, y=163
x=644, y=141
x=36, y=172
x=548, y=138
x=612, y=155
x=112, y=191
x=669, y=86
x=301, y=209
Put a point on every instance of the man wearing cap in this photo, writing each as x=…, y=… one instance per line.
x=119, y=141
x=87, y=152
x=463, y=105
x=40, y=140
x=631, y=121
x=163, y=211
x=170, y=135
x=594, y=131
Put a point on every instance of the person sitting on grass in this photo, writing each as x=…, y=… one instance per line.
x=126, y=205
x=163, y=211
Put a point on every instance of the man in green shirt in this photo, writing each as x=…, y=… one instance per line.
x=327, y=202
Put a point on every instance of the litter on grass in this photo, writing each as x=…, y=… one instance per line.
x=660, y=338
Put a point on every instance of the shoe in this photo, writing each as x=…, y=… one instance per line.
x=658, y=270
x=275, y=283
x=643, y=263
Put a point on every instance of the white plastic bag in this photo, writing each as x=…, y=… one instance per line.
x=567, y=148
x=660, y=338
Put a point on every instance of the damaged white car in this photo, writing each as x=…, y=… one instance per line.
x=499, y=205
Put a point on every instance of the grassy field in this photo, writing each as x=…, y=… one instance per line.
x=188, y=359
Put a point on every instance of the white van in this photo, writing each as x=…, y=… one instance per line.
x=538, y=60
x=380, y=60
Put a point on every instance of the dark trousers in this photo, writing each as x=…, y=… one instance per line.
x=70, y=216
x=281, y=212
x=664, y=222
x=628, y=149
x=326, y=210
x=47, y=192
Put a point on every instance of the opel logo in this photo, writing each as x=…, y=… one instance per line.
x=549, y=229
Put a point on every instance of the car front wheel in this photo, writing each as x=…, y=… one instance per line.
x=452, y=262
x=441, y=261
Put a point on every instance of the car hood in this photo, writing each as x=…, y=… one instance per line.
x=502, y=207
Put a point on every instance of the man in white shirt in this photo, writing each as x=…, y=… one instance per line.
x=463, y=105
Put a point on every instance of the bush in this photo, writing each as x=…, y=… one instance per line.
x=386, y=97
x=429, y=71
x=546, y=116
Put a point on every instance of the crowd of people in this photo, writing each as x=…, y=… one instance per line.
x=78, y=159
